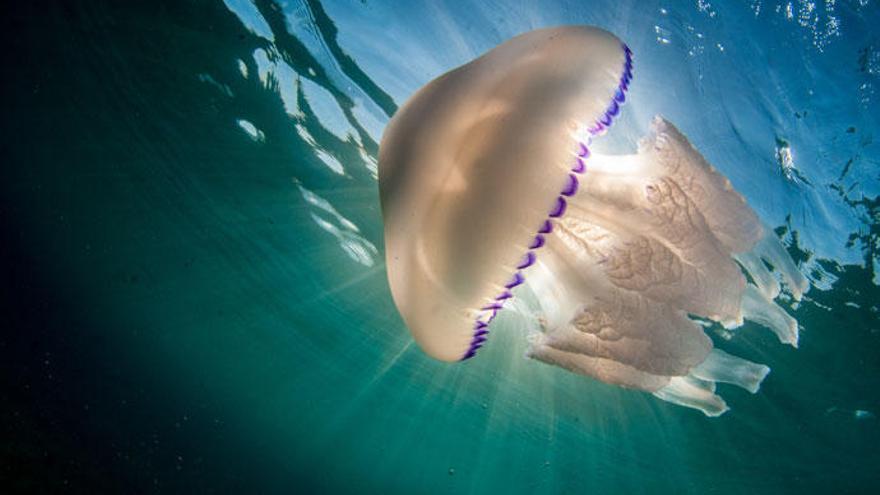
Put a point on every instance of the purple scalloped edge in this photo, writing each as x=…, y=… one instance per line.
x=599, y=127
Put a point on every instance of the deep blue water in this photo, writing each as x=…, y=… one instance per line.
x=193, y=283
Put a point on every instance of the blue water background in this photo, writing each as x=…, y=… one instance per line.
x=196, y=291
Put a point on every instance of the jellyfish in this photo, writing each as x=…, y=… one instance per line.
x=493, y=198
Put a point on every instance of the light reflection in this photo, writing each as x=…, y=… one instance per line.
x=326, y=109
x=281, y=74
x=249, y=15
x=328, y=159
x=251, y=130
x=344, y=230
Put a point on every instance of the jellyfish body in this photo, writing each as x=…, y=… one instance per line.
x=489, y=188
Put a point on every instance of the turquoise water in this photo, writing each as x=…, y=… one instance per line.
x=195, y=297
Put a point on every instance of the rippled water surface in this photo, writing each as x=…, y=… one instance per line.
x=194, y=285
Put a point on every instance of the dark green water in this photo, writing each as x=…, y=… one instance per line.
x=189, y=308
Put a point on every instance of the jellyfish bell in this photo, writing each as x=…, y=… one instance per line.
x=472, y=165
x=489, y=187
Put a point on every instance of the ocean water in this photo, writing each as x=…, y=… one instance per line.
x=194, y=295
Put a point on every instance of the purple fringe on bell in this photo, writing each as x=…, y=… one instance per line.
x=600, y=126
